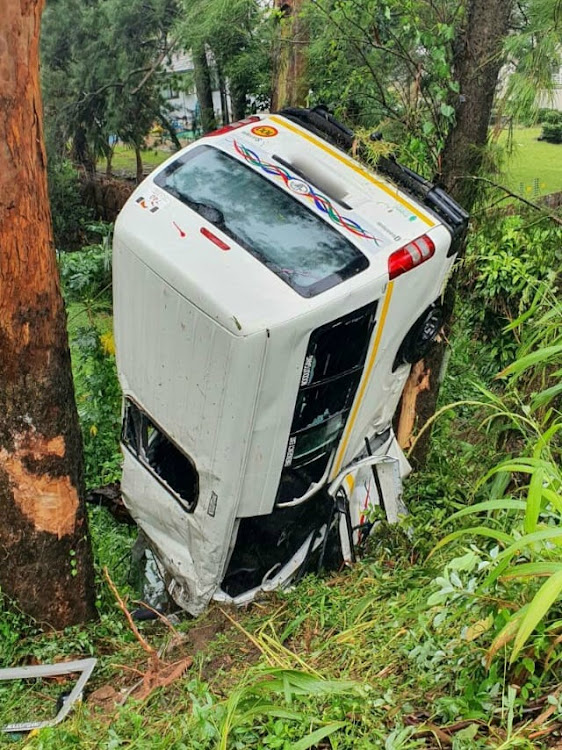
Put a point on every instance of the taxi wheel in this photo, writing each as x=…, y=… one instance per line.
x=421, y=336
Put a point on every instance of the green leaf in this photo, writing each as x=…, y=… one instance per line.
x=319, y=734
x=300, y=683
x=532, y=569
x=266, y=709
x=538, y=608
x=541, y=356
x=505, y=634
x=503, y=504
x=554, y=498
x=534, y=500
x=529, y=539
x=494, y=575
x=499, y=536
x=544, y=397
x=447, y=110
x=517, y=466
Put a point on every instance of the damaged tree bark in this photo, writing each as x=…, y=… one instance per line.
x=44, y=546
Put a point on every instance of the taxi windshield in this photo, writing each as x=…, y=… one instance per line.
x=293, y=242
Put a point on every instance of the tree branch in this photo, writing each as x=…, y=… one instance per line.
x=166, y=51
x=556, y=219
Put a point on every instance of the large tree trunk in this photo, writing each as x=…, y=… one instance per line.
x=290, y=59
x=477, y=65
x=238, y=101
x=46, y=563
x=203, y=88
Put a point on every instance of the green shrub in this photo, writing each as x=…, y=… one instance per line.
x=508, y=258
x=552, y=127
x=86, y=281
x=70, y=215
x=519, y=501
x=542, y=115
x=98, y=397
x=86, y=273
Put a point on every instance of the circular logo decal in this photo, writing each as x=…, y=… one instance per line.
x=298, y=186
x=265, y=131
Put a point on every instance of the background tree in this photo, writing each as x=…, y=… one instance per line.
x=140, y=42
x=534, y=52
x=479, y=56
x=47, y=566
x=236, y=34
x=77, y=73
x=203, y=87
x=103, y=73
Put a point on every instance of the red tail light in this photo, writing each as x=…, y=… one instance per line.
x=213, y=237
x=413, y=254
x=234, y=126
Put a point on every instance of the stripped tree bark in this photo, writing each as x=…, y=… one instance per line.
x=44, y=546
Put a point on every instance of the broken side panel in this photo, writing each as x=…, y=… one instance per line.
x=265, y=544
x=323, y=532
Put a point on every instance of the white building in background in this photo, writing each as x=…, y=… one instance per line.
x=180, y=92
x=553, y=99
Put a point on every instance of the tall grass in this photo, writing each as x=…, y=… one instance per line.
x=522, y=509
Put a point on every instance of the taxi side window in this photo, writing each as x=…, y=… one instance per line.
x=154, y=449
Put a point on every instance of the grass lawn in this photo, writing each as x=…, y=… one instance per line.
x=532, y=160
x=124, y=161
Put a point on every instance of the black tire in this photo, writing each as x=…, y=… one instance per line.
x=421, y=336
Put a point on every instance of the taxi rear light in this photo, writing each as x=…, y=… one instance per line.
x=411, y=255
x=234, y=125
x=213, y=237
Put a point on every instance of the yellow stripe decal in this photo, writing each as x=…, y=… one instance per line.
x=363, y=386
x=352, y=165
x=350, y=481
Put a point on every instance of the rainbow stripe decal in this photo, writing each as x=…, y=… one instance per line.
x=302, y=188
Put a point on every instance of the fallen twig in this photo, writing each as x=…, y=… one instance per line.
x=123, y=607
x=159, y=673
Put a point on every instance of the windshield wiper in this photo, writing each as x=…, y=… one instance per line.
x=210, y=213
